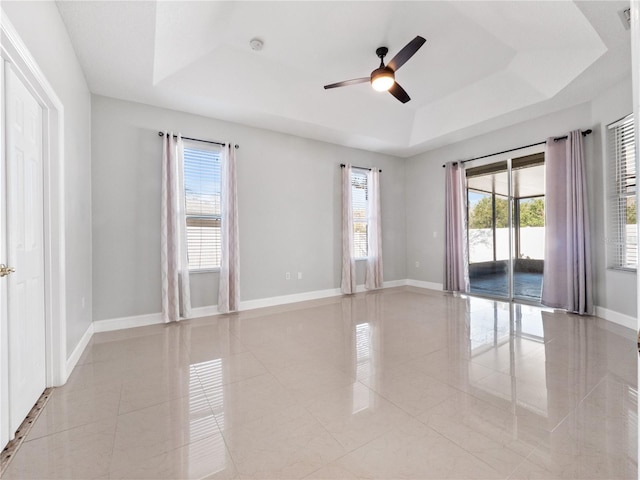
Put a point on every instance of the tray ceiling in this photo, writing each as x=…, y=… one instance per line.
x=485, y=64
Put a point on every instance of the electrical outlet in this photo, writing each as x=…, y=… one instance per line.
x=299, y=275
x=417, y=264
x=287, y=275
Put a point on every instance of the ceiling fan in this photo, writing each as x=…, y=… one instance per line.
x=383, y=78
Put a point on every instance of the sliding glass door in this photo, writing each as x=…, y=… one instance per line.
x=506, y=228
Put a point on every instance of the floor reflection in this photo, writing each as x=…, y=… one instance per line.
x=546, y=363
x=361, y=319
x=364, y=365
x=509, y=338
x=396, y=383
x=213, y=453
x=210, y=377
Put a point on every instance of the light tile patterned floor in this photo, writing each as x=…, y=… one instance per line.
x=401, y=383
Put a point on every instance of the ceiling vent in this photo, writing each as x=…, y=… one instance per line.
x=625, y=16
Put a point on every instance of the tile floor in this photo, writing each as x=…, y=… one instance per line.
x=401, y=383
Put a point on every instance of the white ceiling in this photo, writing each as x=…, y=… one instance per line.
x=485, y=64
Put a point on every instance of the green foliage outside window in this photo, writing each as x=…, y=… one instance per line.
x=481, y=214
x=531, y=213
x=631, y=213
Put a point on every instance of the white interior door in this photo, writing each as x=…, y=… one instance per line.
x=24, y=248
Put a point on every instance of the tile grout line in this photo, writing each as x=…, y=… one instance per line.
x=115, y=430
x=571, y=412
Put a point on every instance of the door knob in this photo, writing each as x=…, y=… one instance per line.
x=4, y=270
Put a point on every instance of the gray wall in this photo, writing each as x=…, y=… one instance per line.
x=289, y=209
x=425, y=190
x=290, y=204
x=289, y=220
x=42, y=30
x=615, y=289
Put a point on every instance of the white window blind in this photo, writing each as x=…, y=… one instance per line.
x=202, y=172
x=622, y=208
x=359, y=197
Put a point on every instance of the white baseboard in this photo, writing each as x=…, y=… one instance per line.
x=609, y=315
x=395, y=283
x=72, y=361
x=209, y=310
x=147, y=319
x=127, y=322
x=198, y=312
x=421, y=284
x=618, y=318
x=284, y=299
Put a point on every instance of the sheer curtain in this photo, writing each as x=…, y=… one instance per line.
x=229, y=287
x=567, y=281
x=176, y=297
x=374, y=276
x=456, y=267
x=348, y=262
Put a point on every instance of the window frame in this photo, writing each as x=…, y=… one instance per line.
x=363, y=173
x=616, y=243
x=195, y=145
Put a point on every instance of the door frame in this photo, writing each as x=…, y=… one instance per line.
x=506, y=157
x=14, y=51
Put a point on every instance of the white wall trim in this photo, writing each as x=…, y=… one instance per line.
x=609, y=315
x=293, y=298
x=207, y=311
x=395, y=283
x=14, y=51
x=72, y=361
x=211, y=310
x=618, y=318
x=127, y=322
x=427, y=285
x=4, y=323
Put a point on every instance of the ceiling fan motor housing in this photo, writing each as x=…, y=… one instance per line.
x=382, y=52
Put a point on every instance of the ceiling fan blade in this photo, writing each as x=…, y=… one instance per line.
x=348, y=82
x=398, y=92
x=406, y=53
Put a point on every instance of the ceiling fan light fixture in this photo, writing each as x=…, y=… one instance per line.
x=382, y=79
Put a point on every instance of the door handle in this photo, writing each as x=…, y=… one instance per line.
x=4, y=270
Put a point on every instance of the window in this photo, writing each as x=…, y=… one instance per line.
x=529, y=220
x=202, y=184
x=622, y=227
x=359, y=200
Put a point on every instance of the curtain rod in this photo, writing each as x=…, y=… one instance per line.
x=342, y=165
x=161, y=134
x=557, y=139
